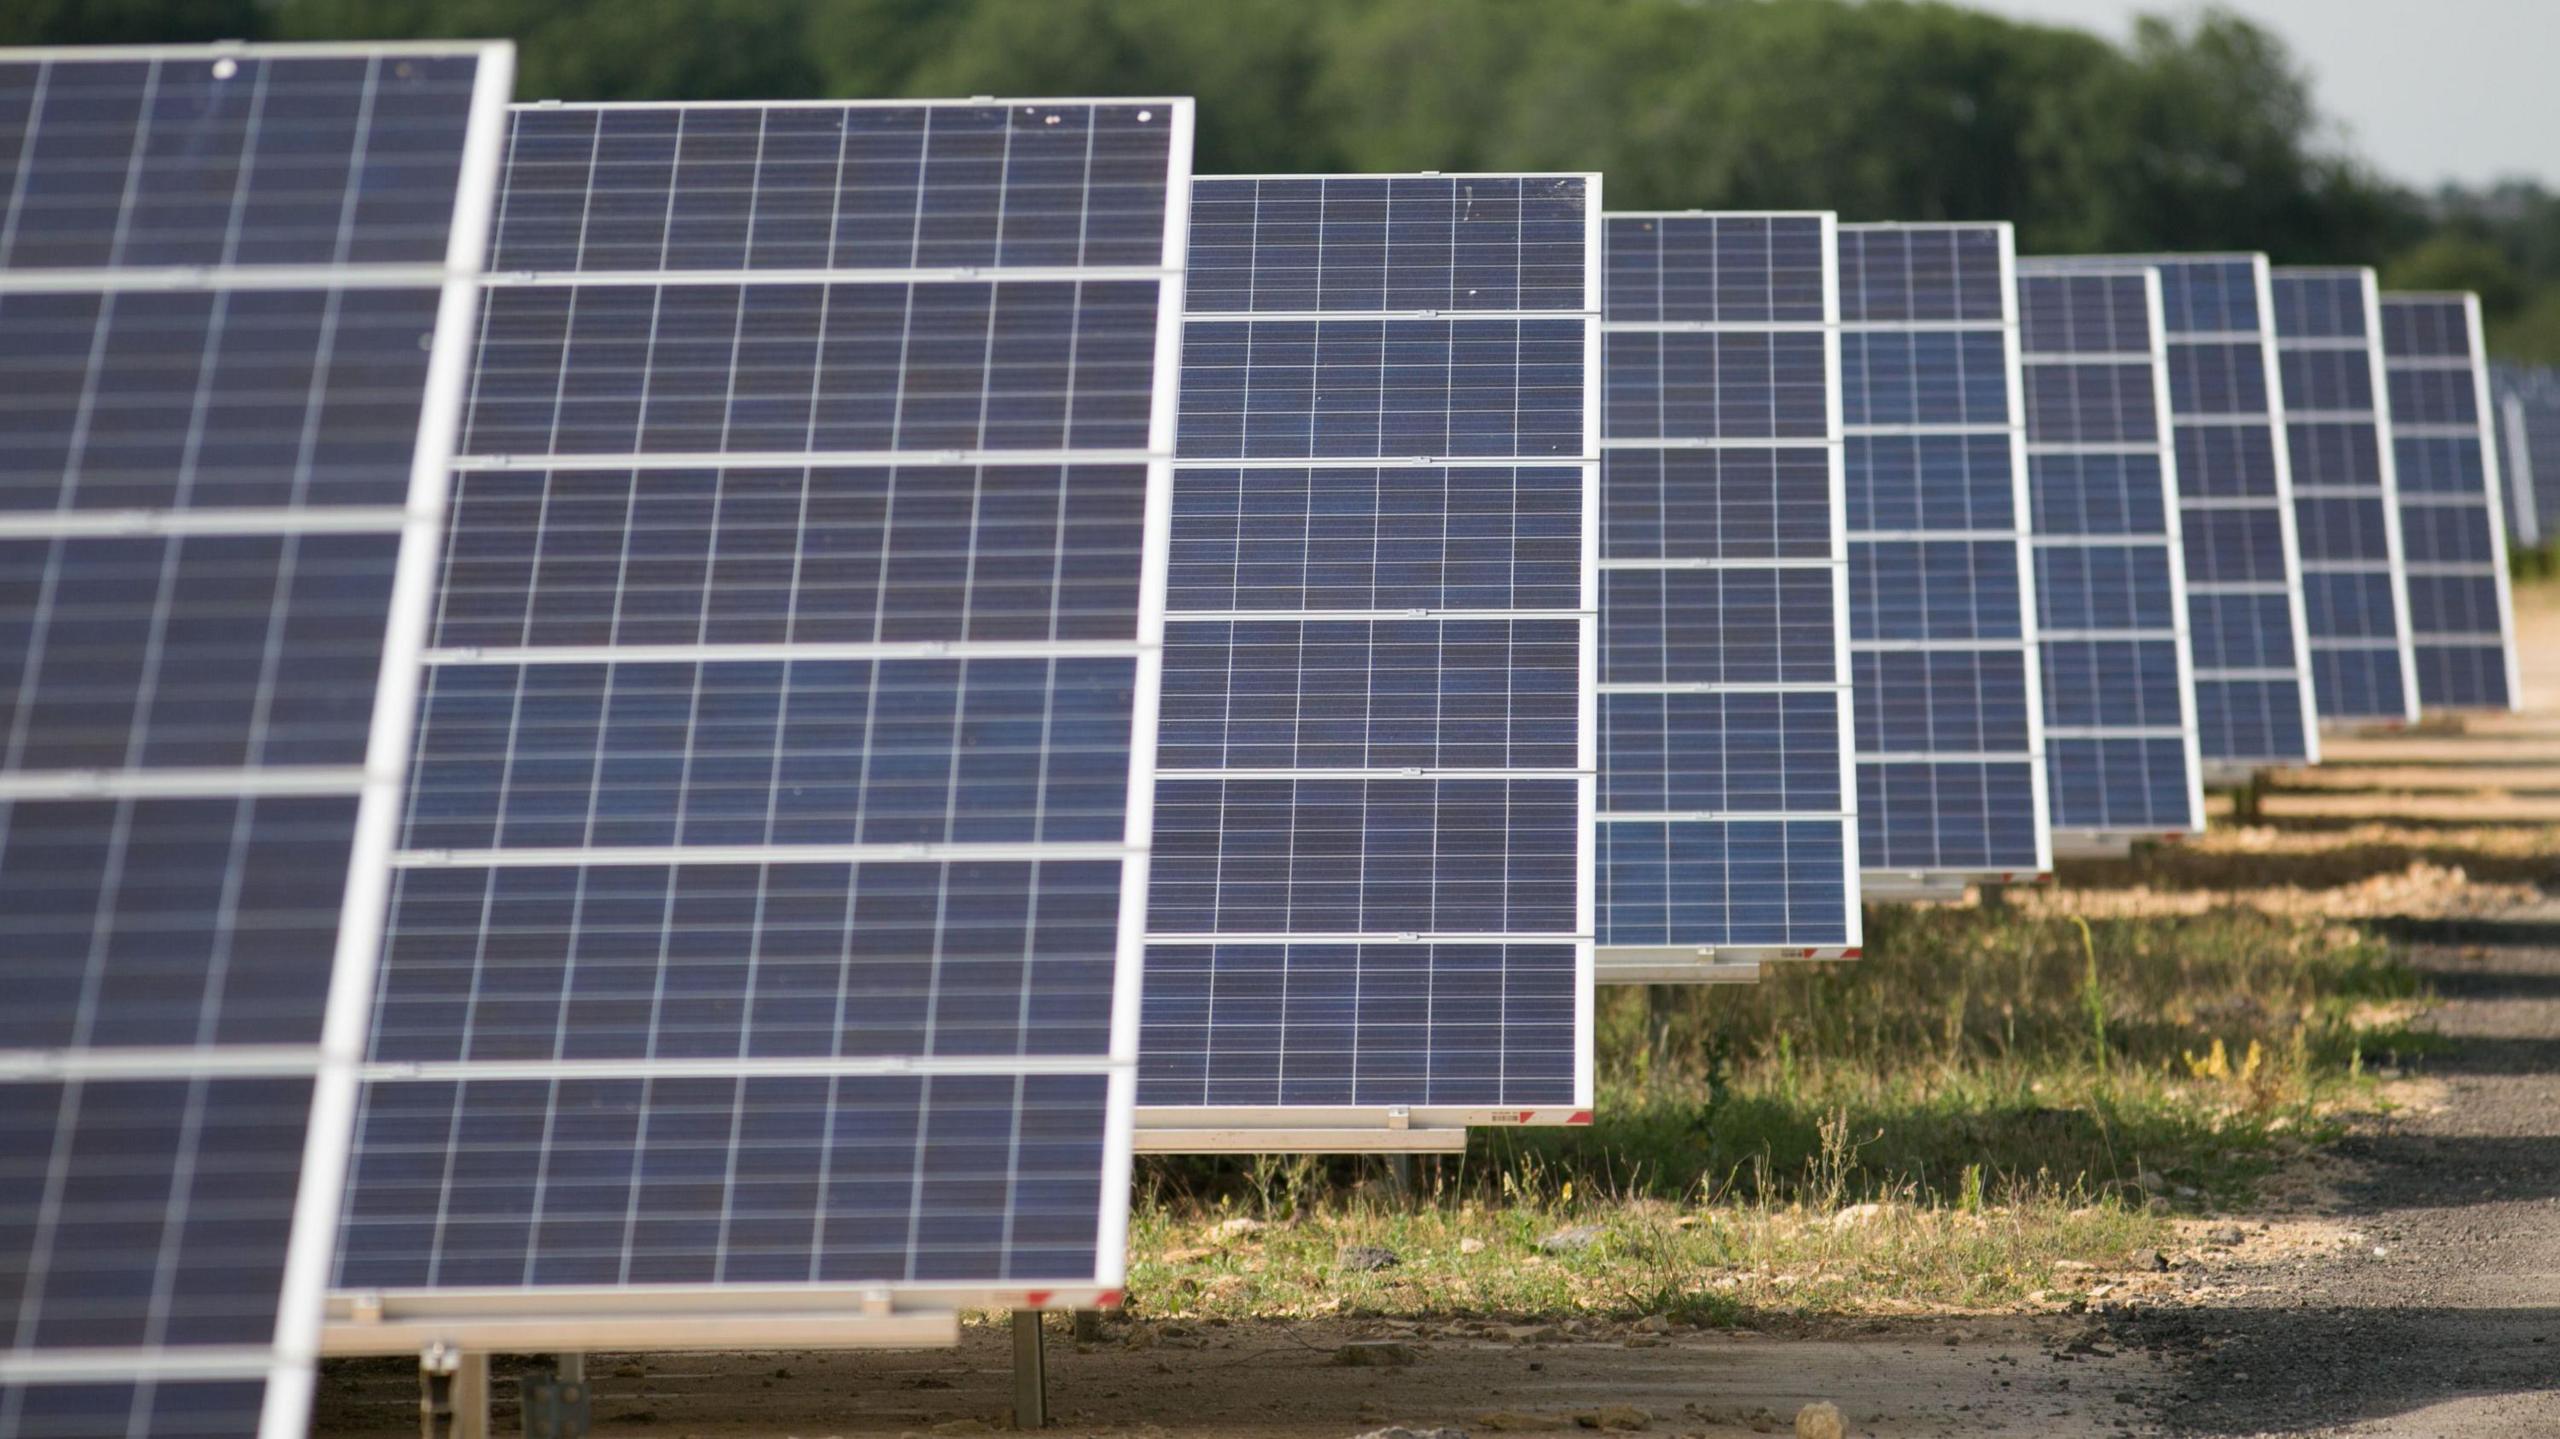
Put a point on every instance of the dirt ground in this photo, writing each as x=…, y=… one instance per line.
x=2407, y=1285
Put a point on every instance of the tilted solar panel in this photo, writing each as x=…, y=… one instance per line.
x=2461, y=617
x=1369, y=920
x=1727, y=816
x=1950, y=723
x=2111, y=626
x=2528, y=435
x=2254, y=702
x=236, y=291
x=2345, y=494
x=763, y=955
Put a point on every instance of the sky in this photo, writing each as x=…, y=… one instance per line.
x=2426, y=90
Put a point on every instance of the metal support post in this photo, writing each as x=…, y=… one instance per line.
x=453, y=1393
x=1030, y=1371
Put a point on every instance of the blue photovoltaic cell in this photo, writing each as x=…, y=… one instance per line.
x=2253, y=672
x=1725, y=797
x=222, y=289
x=2461, y=624
x=817, y=1179
x=255, y=157
x=1247, y=1025
x=1368, y=881
x=780, y=716
x=654, y=188
x=792, y=368
x=1938, y=554
x=210, y=399
x=1426, y=537
x=641, y=961
x=2345, y=498
x=773, y=556
x=2119, y=722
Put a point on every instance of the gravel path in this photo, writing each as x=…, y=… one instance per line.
x=2444, y=1320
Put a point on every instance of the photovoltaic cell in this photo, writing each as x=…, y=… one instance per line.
x=2111, y=623
x=234, y=286
x=1949, y=721
x=2346, y=501
x=2245, y=612
x=1372, y=861
x=1727, y=810
x=2461, y=619
x=766, y=908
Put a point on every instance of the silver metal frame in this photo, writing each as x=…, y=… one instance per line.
x=2395, y=555
x=843, y=1315
x=2476, y=361
x=1716, y=964
x=1927, y=880
x=378, y=784
x=2241, y=769
x=1425, y=1129
x=2085, y=842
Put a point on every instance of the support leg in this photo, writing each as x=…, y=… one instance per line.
x=1400, y=1178
x=471, y=1397
x=1088, y=1326
x=1030, y=1371
x=435, y=1391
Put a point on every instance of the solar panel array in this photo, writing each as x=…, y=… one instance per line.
x=2528, y=435
x=1727, y=815
x=2345, y=497
x=235, y=287
x=2254, y=704
x=1371, y=878
x=2461, y=619
x=766, y=916
x=2111, y=625
x=1949, y=738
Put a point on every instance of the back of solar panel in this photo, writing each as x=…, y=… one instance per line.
x=2119, y=698
x=1950, y=714
x=236, y=292
x=1728, y=821
x=2254, y=700
x=1369, y=923
x=762, y=964
x=2346, y=505
x=2461, y=616
x=2527, y=424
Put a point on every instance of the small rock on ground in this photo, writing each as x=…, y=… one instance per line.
x=1374, y=1354
x=1617, y=1418
x=1366, y=1258
x=1572, y=1240
x=1820, y=1421
x=1398, y=1431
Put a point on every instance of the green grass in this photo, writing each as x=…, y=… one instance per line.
x=2014, y=1092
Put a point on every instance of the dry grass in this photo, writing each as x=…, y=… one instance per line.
x=2004, y=1108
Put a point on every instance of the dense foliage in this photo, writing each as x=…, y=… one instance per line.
x=2196, y=136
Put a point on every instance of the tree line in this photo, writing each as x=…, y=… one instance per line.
x=2191, y=136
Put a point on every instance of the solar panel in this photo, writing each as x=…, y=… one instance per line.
x=2111, y=623
x=2528, y=435
x=1950, y=723
x=2461, y=618
x=2254, y=701
x=236, y=287
x=763, y=951
x=2345, y=495
x=1370, y=911
x=1728, y=828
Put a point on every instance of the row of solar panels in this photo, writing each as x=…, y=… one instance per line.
x=678, y=725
